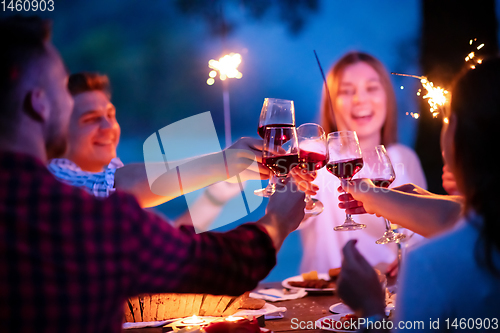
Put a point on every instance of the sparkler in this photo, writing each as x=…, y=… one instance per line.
x=437, y=97
x=227, y=66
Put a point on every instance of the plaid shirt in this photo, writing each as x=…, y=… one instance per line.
x=99, y=184
x=68, y=260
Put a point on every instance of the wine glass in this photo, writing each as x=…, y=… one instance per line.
x=345, y=161
x=280, y=152
x=276, y=113
x=378, y=168
x=313, y=152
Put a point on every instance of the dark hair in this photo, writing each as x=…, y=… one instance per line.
x=475, y=104
x=82, y=82
x=22, y=42
x=389, y=129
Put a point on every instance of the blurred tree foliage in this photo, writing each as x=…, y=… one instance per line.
x=291, y=12
x=153, y=50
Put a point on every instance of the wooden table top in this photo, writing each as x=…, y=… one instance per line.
x=307, y=309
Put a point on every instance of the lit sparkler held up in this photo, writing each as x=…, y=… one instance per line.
x=438, y=97
x=227, y=67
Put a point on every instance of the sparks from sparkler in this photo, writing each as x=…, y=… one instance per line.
x=227, y=66
x=436, y=96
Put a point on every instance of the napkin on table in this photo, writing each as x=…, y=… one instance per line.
x=277, y=295
x=269, y=311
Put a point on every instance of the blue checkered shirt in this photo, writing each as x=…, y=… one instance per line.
x=99, y=184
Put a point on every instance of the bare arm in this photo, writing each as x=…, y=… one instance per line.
x=407, y=205
x=193, y=174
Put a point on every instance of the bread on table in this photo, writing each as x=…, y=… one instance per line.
x=154, y=307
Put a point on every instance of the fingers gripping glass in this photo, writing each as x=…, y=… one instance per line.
x=275, y=113
x=378, y=168
x=313, y=156
x=345, y=161
x=280, y=151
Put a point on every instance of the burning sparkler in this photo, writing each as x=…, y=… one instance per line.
x=437, y=97
x=227, y=66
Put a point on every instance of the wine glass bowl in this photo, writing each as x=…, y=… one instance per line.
x=280, y=151
x=379, y=169
x=313, y=156
x=345, y=161
x=274, y=113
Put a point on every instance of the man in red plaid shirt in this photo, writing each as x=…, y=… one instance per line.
x=68, y=261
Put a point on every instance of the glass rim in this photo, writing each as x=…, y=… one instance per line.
x=340, y=133
x=277, y=99
x=280, y=127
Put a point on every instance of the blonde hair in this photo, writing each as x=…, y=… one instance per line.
x=327, y=120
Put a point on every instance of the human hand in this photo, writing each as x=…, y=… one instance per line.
x=358, y=284
x=359, y=197
x=304, y=179
x=449, y=182
x=284, y=212
x=240, y=157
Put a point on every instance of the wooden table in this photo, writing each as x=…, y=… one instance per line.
x=309, y=308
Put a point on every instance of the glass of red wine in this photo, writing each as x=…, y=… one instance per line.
x=378, y=168
x=275, y=113
x=313, y=152
x=280, y=151
x=345, y=161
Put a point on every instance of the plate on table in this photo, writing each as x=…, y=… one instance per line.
x=298, y=278
x=340, y=308
x=328, y=323
x=343, y=309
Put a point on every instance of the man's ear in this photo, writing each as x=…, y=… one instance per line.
x=36, y=104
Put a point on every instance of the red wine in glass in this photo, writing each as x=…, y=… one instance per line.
x=345, y=169
x=262, y=128
x=313, y=161
x=281, y=164
x=380, y=182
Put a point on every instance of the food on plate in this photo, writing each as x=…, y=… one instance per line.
x=334, y=273
x=312, y=275
x=312, y=281
x=313, y=284
x=153, y=307
x=253, y=304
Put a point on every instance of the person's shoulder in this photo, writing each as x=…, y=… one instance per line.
x=446, y=244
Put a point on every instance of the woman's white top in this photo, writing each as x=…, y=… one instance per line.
x=322, y=246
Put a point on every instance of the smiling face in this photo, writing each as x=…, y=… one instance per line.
x=361, y=102
x=94, y=132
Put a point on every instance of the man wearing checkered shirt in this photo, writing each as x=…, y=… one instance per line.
x=91, y=161
x=68, y=261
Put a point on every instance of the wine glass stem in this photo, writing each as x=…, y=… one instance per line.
x=347, y=216
x=272, y=181
x=387, y=224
